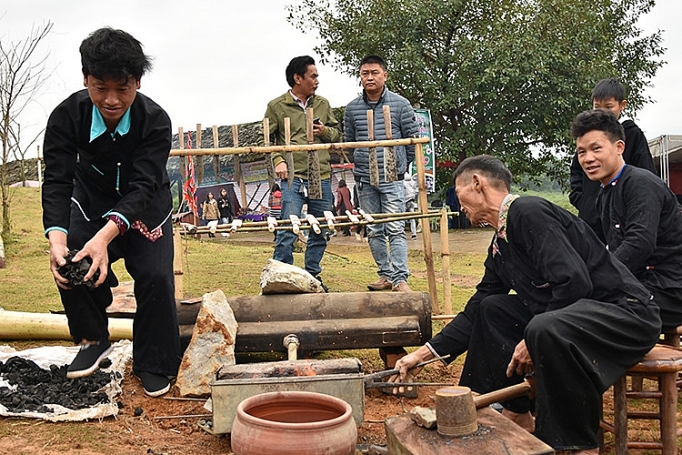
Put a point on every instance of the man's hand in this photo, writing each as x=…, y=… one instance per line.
x=318, y=129
x=521, y=363
x=406, y=366
x=58, y=252
x=281, y=170
x=97, y=250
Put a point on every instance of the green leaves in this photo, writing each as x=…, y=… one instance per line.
x=503, y=77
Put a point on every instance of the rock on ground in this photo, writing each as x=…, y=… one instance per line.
x=280, y=278
x=211, y=347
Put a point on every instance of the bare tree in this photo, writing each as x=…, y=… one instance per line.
x=22, y=76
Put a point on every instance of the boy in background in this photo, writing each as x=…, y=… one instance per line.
x=608, y=94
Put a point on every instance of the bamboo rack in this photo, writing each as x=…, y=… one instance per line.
x=312, y=149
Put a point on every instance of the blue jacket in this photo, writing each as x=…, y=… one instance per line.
x=403, y=125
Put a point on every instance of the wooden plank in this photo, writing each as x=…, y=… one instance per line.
x=389, y=154
x=289, y=156
x=496, y=435
x=373, y=163
x=314, y=178
x=238, y=168
x=216, y=158
x=445, y=261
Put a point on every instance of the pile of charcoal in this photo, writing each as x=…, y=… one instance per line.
x=33, y=387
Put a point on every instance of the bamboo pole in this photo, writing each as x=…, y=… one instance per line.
x=17, y=325
x=373, y=163
x=199, y=162
x=238, y=167
x=216, y=158
x=445, y=261
x=426, y=229
x=335, y=146
x=284, y=225
x=266, y=142
x=177, y=264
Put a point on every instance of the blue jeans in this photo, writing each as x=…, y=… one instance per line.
x=387, y=241
x=292, y=204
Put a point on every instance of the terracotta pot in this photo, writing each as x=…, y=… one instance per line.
x=293, y=423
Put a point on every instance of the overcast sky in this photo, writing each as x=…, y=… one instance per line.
x=218, y=62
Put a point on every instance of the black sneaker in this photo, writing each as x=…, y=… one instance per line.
x=87, y=360
x=154, y=384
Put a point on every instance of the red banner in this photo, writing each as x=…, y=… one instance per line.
x=189, y=189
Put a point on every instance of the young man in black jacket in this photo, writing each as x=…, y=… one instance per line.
x=639, y=213
x=608, y=94
x=107, y=195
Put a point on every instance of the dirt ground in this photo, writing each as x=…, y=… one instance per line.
x=168, y=426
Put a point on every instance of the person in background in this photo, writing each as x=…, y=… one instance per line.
x=275, y=203
x=225, y=207
x=608, y=94
x=343, y=203
x=411, y=191
x=107, y=195
x=387, y=241
x=210, y=212
x=361, y=229
x=302, y=77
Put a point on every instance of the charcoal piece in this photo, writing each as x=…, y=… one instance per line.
x=33, y=387
x=76, y=271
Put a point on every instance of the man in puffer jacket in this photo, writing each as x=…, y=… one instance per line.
x=387, y=241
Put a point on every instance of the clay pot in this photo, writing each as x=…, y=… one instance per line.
x=293, y=423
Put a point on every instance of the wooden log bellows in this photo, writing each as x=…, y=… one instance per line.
x=337, y=320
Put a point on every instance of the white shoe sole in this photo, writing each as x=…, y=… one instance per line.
x=92, y=369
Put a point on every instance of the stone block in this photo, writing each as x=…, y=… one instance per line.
x=211, y=347
x=280, y=278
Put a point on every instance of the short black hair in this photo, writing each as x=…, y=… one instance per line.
x=600, y=120
x=374, y=59
x=113, y=54
x=488, y=165
x=342, y=183
x=298, y=65
x=609, y=88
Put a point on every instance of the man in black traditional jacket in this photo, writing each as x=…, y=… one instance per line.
x=639, y=214
x=107, y=194
x=608, y=94
x=577, y=321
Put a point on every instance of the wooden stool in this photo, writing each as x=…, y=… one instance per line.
x=663, y=364
x=671, y=337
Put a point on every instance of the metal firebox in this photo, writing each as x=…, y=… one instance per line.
x=341, y=378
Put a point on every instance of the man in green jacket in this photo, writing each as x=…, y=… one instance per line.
x=302, y=77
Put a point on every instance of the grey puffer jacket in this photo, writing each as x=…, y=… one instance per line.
x=403, y=125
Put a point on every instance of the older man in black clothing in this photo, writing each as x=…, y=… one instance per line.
x=639, y=214
x=578, y=319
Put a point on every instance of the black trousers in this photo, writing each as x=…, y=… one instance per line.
x=670, y=303
x=577, y=352
x=156, y=339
